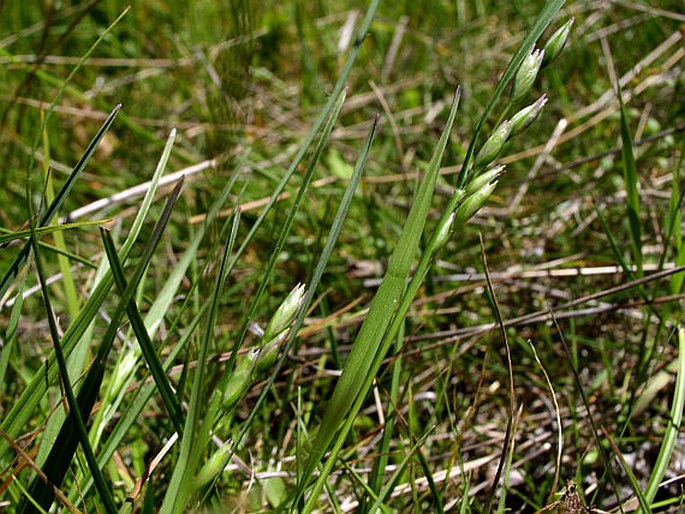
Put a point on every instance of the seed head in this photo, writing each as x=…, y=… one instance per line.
x=286, y=312
x=526, y=116
x=526, y=74
x=493, y=146
x=473, y=203
x=240, y=380
x=444, y=231
x=214, y=466
x=555, y=44
x=483, y=180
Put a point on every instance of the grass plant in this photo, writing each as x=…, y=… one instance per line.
x=332, y=257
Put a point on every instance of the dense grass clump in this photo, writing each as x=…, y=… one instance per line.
x=333, y=257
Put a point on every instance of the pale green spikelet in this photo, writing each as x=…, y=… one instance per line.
x=286, y=312
x=526, y=74
x=493, y=146
x=484, y=179
x=473, y=203
x=555, y=44
x=240, y=379
x=526, y=116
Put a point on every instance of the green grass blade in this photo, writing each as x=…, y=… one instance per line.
x=129, y=417
x=40, y=491
x=9, y=337
x=634, y=483
x=181, y=483
x=17, y=417
x=366, y=346
x=331, y=239
x=543, y=21
x=23, y=234
x=630, y=179
x=669, y=440
x=378, y=471
x=387, y=489
x=47, y=216
x=287, y=225
x=323, y=116
x=215, y=401
x=674, y=220
x=63, y=450
x=79, y=355
x=69, y=286
x=153, y=362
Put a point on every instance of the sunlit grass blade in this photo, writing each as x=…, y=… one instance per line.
x=61, y=455
x=153, y=362
x=50, y=212
x=16, y=419
x=668, y=442
x=23, y=234
x=366, y=346
x=181, y=482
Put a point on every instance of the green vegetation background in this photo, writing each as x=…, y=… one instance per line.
x=243, y=82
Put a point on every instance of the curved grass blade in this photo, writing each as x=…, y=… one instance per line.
x=153, y=362
x=18, y=416
x=39, y=231
x=41, y=491
x=384, y=306
x=674, y=421
x=63, y=450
